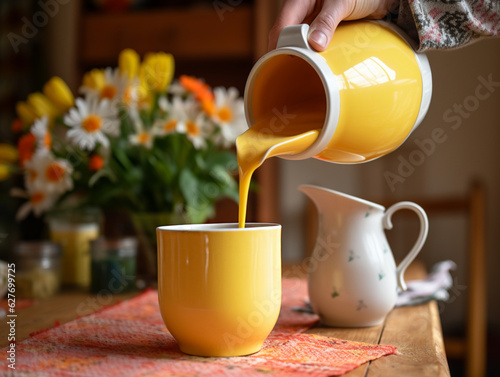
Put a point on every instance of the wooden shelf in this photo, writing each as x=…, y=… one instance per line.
x=192, y=33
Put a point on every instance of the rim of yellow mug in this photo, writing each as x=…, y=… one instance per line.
x=218, y=227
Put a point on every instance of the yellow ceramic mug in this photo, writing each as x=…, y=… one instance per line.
x=219, y=286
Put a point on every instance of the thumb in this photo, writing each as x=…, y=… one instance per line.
x=325, y=23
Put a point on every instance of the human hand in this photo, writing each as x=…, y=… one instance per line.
x=324, y=16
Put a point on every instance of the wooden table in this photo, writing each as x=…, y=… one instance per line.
x=415, y=331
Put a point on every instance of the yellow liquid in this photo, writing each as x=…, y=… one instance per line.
x=265, y=139
x=289, y=103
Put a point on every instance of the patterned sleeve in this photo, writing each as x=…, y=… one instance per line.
x=445, y=24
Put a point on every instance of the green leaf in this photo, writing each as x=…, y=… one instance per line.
x=200, y=162
x=190, y=189
x=121, y=156
x=231, y=192
x=199, y=214
x=221, y=175
x=104, y=172
x=225, y=159
x=162, y=169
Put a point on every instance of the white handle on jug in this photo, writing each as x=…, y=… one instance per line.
x=294, y=36
x=424, y=229
x=293, y=41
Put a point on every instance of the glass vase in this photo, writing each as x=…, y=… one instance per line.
x=145, y=224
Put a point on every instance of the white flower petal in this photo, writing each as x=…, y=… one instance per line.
x=232, y=94
x=102, y=139
x=18, y=193
x=181, y=127
x=164, y=104
x=23, y=211
x=82, y=107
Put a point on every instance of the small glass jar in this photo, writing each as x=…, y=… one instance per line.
x=38, y=269
x=73, y=229
x=113, y=265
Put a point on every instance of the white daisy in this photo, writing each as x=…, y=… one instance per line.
x=131, y=95
x=194, y=123
x=164, y=104
x=177, y=89
x=91, y=121
x=176, y=117
x=113, y=88
x=229, y=115
x=142, y=136
x=43, y=137
x=136, y=95
x=39, y=201
x=198, y=130
x=31, y=175
x=52, y=175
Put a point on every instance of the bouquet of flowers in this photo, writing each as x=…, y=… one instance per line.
x=135, y=139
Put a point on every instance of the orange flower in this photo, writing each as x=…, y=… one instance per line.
x=55, y=172
x=96, y=162
x=47, y=140
x=37, y=197
x=26, y=147
x=208, y=106
x=17, y=125
x=200, y=90
x=192, y=129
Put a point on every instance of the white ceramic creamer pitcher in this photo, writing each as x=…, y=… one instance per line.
x=354, y=282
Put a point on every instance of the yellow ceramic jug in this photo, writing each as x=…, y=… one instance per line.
x=370, y=86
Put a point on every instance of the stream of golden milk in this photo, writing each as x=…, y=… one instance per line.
x=266, y=139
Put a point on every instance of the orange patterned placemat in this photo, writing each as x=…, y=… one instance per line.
x=130, y=339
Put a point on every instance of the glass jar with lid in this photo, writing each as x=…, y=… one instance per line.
x=73, y=229
x=38, y=269
x=113, y=264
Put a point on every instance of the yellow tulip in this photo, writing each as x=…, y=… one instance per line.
x=144, y=96
x=128, y=62
x=8, y=153
x=157, y=71
x=26, y=113
x=4, y=172
x=94, y=79
x=58, y=92
x=42, y=106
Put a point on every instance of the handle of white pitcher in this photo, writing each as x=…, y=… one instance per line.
x=294, y=36
x=424, y=229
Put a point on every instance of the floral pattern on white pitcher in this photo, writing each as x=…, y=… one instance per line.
x=356, y=282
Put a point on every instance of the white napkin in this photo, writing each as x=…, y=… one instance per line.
x=434, y=287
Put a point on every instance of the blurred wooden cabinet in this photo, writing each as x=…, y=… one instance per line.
x=217, y=40
x=185, y=33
